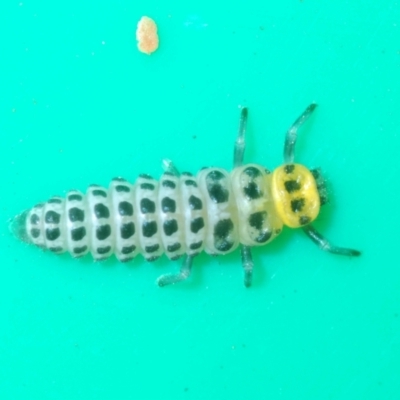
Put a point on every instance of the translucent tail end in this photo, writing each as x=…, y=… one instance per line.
x=18, y=227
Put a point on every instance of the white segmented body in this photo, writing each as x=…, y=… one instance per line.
x=214, y=212
x=183, y=215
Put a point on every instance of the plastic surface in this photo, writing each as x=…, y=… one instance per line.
x=80, y=104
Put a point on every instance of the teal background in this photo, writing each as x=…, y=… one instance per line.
x=80, y=105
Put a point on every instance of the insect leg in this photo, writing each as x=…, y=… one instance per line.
x=170, y=279
x=240, y=146
x=291, y=134
x=184, y=273
x=323, y=243
x=247, y=262
x=240, y=143
x=169, y=166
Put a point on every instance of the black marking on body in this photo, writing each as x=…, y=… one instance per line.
x=53, y=233
x=252, y=191
x=98, y=192
x=128, y=249
x=196, y=245
x=34, y=219
x=196, y=224
x=170, y=227
x=149, y=228
x=190, y=182
x=297, y=205
x=35, y=233
x=148, y=186
x=127, y=259
x=174, y=247
x=168, y=205
x=122, y=188
x=222, y=231
x=127, y=230
x=125, y=208
x=101, y=211
x=40, y=205
x=119, y=179
x=304, y=220
x=215, y=175
x=291, y=186
x=264, y=236
x=216, y=191
x=169, y=184
x=52, y=217
x=187, y=173
x=195, y=203
x=56, y=249
x=54, y=201
x=289, y=168
x=76, y=214
x=145, y=176
x=79, y=250
x=147, y=206
x=151, y=249
x=253, y=172
x=152, y=258
x=103, y=232
x=78, y=233
x=73, y=197
x=256, y=221
x=103, y=250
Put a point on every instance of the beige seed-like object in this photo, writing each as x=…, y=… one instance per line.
x=146, y=35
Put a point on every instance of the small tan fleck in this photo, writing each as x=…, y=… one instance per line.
x=146, y=35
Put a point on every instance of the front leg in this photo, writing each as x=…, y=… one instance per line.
x=324, y=244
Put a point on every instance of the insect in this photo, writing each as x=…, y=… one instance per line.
x=215, y=211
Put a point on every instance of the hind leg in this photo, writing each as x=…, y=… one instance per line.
x=238, y=155
x=184, y=273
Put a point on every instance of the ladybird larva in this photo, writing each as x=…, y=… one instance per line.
x=182, y=215
x=146, y=35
